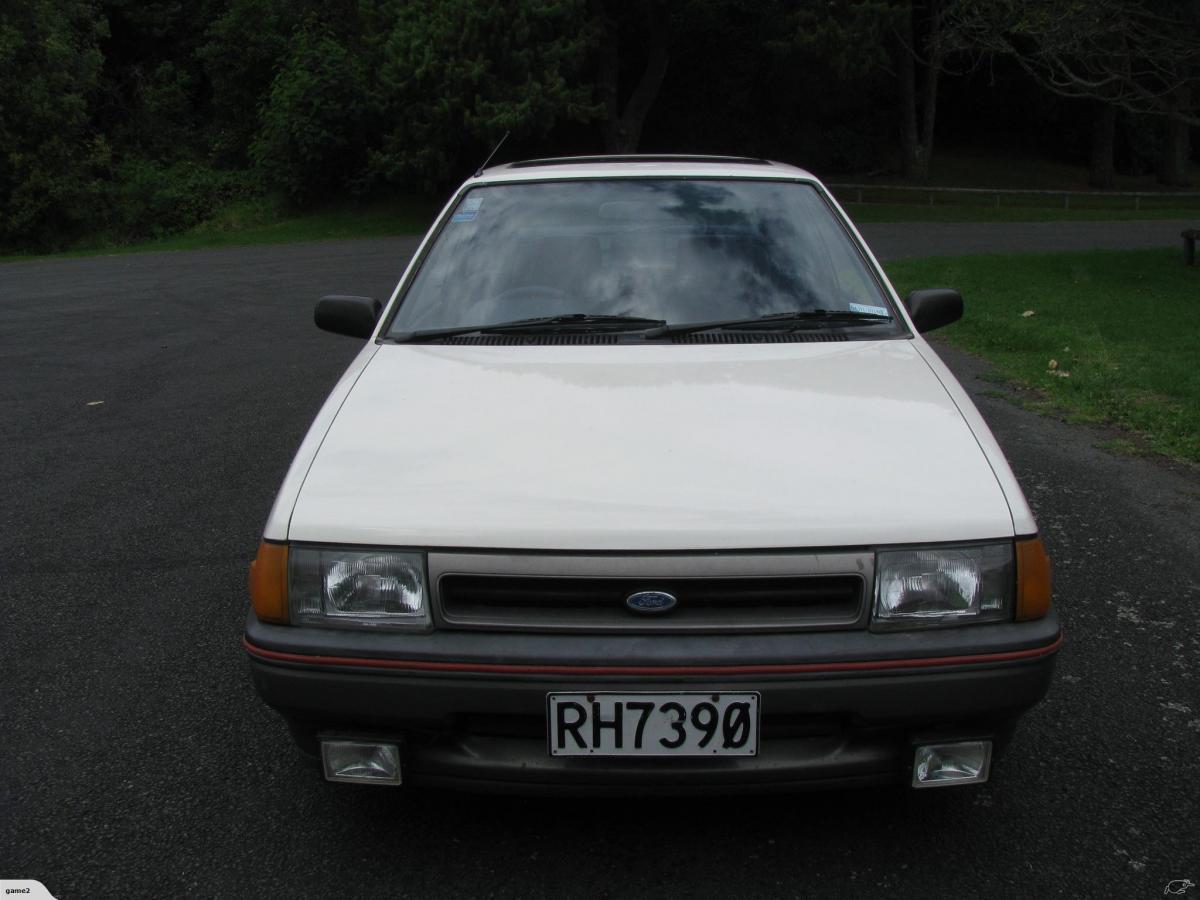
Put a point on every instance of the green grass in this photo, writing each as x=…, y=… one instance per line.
x=1120, y=328
x=1121, y=447
x=262, y=221
x=940, y=212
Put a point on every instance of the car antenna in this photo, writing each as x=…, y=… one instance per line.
x=495, y=150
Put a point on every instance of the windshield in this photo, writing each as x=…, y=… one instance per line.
x=674, y=250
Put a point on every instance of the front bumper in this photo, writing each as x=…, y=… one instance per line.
x=838, y=708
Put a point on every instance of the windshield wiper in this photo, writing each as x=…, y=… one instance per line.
x=799, y=318
x=564, y=322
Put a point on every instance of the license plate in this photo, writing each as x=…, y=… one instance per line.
x=683, y=724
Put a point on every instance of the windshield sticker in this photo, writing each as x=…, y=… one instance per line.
x=869, y=310
x=468, y=211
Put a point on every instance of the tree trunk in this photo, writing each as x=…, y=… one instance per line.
x=644, y=94
x=1104, y=130
x=1176, y=146
x=1173, y=163
x=917, y=120
x=623, y=128
x=913, y=164
x=606, y=79
x=929, y=110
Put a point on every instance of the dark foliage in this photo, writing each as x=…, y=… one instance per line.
x=137, y=118
x=53, y=158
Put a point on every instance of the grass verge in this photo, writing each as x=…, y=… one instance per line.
x=263, y=221
x=1113, y=336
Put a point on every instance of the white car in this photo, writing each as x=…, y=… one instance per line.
x=645, y=479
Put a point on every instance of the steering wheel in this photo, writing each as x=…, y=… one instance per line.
x=531, y=292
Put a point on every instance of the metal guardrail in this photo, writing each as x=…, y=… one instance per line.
x=1171, y=198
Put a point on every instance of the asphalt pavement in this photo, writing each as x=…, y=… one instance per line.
x=150, y=405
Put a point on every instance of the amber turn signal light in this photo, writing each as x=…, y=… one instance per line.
x=1033, y=579
x=268, y=583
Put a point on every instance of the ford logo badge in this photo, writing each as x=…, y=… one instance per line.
x=651, y=602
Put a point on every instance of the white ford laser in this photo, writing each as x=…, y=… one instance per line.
x=646, y=479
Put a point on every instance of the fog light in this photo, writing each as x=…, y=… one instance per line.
x=945, y=765
x=361, y=762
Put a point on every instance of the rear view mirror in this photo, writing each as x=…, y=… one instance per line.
x=934, y=308
x=353, y=316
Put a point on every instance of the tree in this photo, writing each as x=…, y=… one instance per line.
x=924, y=48
x=244, y=49
x=1102, y=171
x=51, y=158
x=312, y=138
x=457, y=74
x=247, y=43
x=153, y=99
x=651, y=23
x=910, y=39
x=1142, y=56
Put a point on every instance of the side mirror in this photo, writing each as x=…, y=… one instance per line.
x=934, y=308
x=353, y=316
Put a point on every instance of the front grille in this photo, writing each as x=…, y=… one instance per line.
x=514, y=340
x=759, y=337
x=549, y=603
x=633, y=337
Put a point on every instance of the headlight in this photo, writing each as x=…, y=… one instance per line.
x=383, y=588
x=944, y=586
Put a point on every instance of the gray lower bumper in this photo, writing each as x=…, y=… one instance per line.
x=490, y=764
x=487, y=730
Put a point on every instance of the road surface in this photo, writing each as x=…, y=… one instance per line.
x=150, y=405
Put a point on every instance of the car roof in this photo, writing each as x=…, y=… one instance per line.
x=641, y=165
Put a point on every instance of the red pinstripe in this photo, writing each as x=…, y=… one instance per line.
x=419, y=665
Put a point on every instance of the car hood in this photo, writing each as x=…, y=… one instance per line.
x=657, y=447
